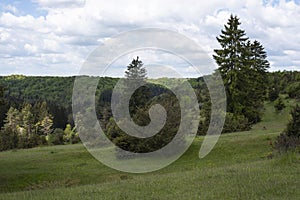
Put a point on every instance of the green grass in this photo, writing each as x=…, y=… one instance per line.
x=237, y=168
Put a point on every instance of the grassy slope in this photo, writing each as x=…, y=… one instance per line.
x=237, y=168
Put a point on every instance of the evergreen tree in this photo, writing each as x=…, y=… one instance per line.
x=290, y=138
x=231, y=63
x=41, y=115
x=260, y=62
x=293, y=127
x=136, y=70
x=13, y=120
x=27, y=119
x=243, y=66
x=40, y=110
x=46, y=125
x=259, y=66
x=256, y=83
x=9, y=133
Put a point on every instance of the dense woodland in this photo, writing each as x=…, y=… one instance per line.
x=38, y=110
x=50, y=97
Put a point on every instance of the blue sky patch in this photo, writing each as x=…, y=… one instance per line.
x=24, y=7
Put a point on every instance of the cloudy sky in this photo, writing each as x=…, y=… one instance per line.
x=55, y=37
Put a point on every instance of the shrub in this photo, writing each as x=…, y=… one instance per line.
x=8, y=139
x=234, y=123
x=56, y=137
x=293, y=127
x=279, y=105
x=290, y=138
x=70, y=135
x=286, y=143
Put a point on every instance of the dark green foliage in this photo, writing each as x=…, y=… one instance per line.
x=256, y=81
x=33, y=89
x=56, y=138
x=293, y=127
x=171, y=104
x=279, y=105
x=205, y=108
x=273, y=93
x=286, y=143
x=48, y=96
x=56, y=91
x=243, y=66
x=20, y=89
x=8, y=139
x=290, y=138
x=61, y=115
x=230, y=61
x=139, y=98
x=234, y=123
x=293, y=90
x=285, y=82
x=3, y=106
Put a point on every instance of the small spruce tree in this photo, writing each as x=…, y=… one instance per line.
x=290, y=138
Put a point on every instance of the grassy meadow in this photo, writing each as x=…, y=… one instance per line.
x=239, y=167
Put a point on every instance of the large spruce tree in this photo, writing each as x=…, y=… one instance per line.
x=257, y=64
x=243, y=66
x=230, y=61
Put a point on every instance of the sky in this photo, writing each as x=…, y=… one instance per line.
x=55, y=37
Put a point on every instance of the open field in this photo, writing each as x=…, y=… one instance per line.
x=237, y=168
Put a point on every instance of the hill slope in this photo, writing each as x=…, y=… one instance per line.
x=237, y=168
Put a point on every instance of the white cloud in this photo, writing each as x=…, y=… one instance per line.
x=30, y=48
x=10, y=8
x=4, y=36
x=71, y=29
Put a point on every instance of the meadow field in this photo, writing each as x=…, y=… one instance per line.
x=241, y=166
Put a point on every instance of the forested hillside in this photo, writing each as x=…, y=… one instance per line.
x=58, y=90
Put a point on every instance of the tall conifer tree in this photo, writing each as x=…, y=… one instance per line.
x=230, y=61
x=243, y=66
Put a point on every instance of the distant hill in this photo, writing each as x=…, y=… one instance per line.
x=50, y=89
